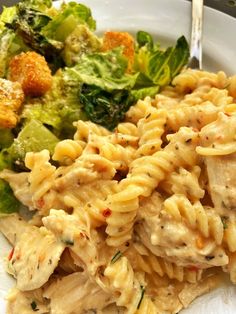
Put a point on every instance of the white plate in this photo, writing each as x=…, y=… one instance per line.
x=166, y=20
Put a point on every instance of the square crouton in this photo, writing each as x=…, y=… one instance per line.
x=112, y=40
x=11, y=99
x=31, y=70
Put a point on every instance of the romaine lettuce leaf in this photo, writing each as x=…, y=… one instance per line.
x=58, y=108
x=10, y=43
x=158, y=66
x=81, y=41
x=28, y=24
x=41, y=5
x=105, y=70
x=6, y=161
x=33, y=137
x=103, y=107
x=8, y=203
x=179, y=57
x=141, y=93
x=7, y=16
x=105, y=86
x=6, y=138
x=69, y=16
x=6, y=39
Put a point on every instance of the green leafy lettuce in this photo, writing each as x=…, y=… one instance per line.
x=107, y=90
x=44, y=29
x=104, y=86
x=6, y=138
x=33, y=137
x=10, y=43
x=40, y=5
x=8, y=202
x=81, y=41
x=158, y=66
x=28, y=25
x=69, y=16
x=58, y=108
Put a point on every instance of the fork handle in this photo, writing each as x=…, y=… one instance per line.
x=196, y=34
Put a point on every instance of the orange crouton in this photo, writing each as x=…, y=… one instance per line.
x=11, y=99
x=112, y=40
x=31, y=70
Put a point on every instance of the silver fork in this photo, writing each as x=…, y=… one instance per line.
x=195, y=61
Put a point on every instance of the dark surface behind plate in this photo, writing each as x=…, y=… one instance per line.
x=226, y=6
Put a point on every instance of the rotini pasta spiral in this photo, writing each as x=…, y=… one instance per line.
x=120, y=156
x=190, y=79
x=218, y=137
x=84, y=128
x=231, y=267
x=205, y=220
x=230, y=232
x=137, y=112
x=145, y=175
x=196, y=116
x=168, y=99
x=88, y=202
x=67, y=151
x=42, y=174
x=127, y=128
x=151, y=128
x=150, y=264
x=131, y=293
x=184, y=182
x=205, y=94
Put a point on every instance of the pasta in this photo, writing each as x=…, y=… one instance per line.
x=205, y=220
x=150, y=129
x=134, y=221
x=185, y=182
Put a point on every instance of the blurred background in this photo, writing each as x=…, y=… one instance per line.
x=226, y=6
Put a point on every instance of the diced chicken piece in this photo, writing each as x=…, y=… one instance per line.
x=11, y=99
x=31, y=70
x=35, y=257
x=27, y=302
x=12, y=227
x=218, y=146
x=112, y=40
x=222, y=180
x=218, y=138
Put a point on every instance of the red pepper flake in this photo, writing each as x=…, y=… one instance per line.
x=193, y=268
x=10, y=254
x=106, y=213
x=40, y=203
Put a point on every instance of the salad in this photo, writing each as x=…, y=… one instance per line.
x=55, y=70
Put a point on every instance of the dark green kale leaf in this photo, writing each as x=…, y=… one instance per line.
x=103, y=107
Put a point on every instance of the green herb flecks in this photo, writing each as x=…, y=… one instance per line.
x=68, y=242
x=34, y=306
x=141, y=297
x=116, y=257
x=224, y=220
